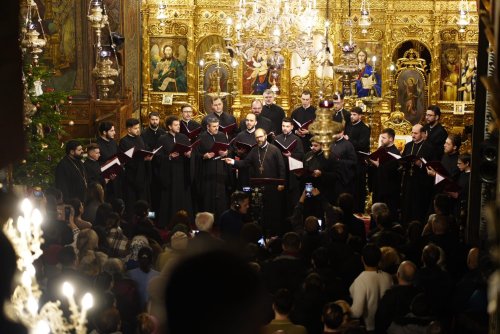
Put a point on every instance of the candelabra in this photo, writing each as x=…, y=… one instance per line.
x=348, y=66
x=26, y=236
x=103, y=71
x=32, y=41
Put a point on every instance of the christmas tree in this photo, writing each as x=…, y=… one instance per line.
x=43, y=130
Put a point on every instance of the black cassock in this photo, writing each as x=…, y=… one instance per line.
x=175, y=179
x=108, y=149
x=344, y=159
x=137, y=175
x=93, y=170
x=292, y=181
x=190, y=125
x=71, y=178
x=436, y=136
x=387, y=183
x=302, y=115
x=417, y=185
x=242, y=176
x=317, y=161
x=212, y=176
x=276, y=114
x=359, y=136
x=343, y=116
x=150, y=138
x=267, y=162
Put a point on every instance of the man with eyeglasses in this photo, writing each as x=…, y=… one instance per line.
x=436, y=134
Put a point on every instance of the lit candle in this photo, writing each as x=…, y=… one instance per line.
x=374, y=60
x=87, y=303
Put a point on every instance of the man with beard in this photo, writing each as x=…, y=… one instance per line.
x=105, y=140
x=71, y=177
x=109, y=148
x=265, y=161
x=188, y=125
x=222, y=117
x=242, y=144
x=344, y=160
x=416, y=186
x=169, y=74
x=436, y=134
x=358, y=133
x=386, y=183
x=150, y=137
x=212, y=173
x=137, y=175
x=264, y=122
x=174, y=173
x=305, y=113
x=318, y=170
x=450, y=157
x=273, y=111
x=285, y=139
x=341, y=115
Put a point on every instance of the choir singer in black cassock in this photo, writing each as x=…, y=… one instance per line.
x=358, y=133
x=285, y=139
x=343, y=159
x=386, y=181
x=242, y=144
x=273, y=111
x=137, y=174
x=212, y=175
x=150, y=137
x=218, y=113
x=436, y=133
x=265, y=161
x=417, y=185
x=108, y=149
x=174, y=173
x=264, y=122
x=318, y=170
x=187, y=123
x=306, y=112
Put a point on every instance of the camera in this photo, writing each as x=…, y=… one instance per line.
x=151, y=215
x=247, y=190
x=309, y=189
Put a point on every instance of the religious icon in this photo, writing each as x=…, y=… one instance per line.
x=411, y=94
x=468, y=77
x=168, y=65
x=450, y=74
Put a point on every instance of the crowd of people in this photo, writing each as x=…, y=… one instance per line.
x=208, y=228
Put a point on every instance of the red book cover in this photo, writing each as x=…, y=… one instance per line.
x=181, y=148
x=190, y=134
x=219, y=147
x=228, y=128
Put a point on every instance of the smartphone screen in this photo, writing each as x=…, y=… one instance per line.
x=309, y=188
x=151, y=215
x=261, y=242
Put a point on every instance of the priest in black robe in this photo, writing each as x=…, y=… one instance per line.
x=241, y=146
x=223, y=117
x=416, y=186
x=358, y=133
x=263, y=122
x=386, y=180
x=265, y=161
x=344, y=159
x=436, y=133
x=108, y=148
x=70, y=176
x=273, y=111
x=188, y=125
x=281, y=141
x=212, y=175
x=150, y=137
x=306, y=112
x=175, y=178
x=137, y=174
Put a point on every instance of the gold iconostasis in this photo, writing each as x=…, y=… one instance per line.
x=182, y=56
